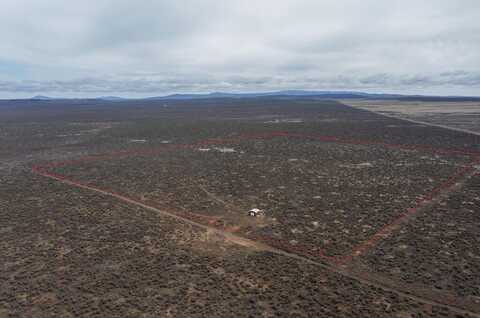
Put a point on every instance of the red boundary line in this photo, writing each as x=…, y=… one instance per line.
x=384, y=231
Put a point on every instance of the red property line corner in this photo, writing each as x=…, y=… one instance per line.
x=386, y=230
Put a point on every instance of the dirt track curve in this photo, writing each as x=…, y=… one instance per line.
x=254, y=244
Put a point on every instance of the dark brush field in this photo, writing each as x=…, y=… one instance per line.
x=139, y=209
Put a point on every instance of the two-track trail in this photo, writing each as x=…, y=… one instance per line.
x=333, y=264
x=236, y=239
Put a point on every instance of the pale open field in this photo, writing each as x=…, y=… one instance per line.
x=459, y=115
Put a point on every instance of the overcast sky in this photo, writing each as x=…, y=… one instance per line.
x=147, y=48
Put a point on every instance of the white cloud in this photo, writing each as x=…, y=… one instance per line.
x=182, y=45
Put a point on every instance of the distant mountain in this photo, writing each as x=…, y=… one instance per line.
x=111, y=98
x=106, y=98
x=285, y=94
x=41, y=97
x=320, y=94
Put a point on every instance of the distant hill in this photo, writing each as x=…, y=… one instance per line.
x=41, y=97
x=281, y=94
x=297, y=93
x=111, y=98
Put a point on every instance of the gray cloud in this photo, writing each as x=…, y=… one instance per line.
x=152, y=47
x=156, y=86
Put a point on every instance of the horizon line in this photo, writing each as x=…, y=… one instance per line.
x=287, y=92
